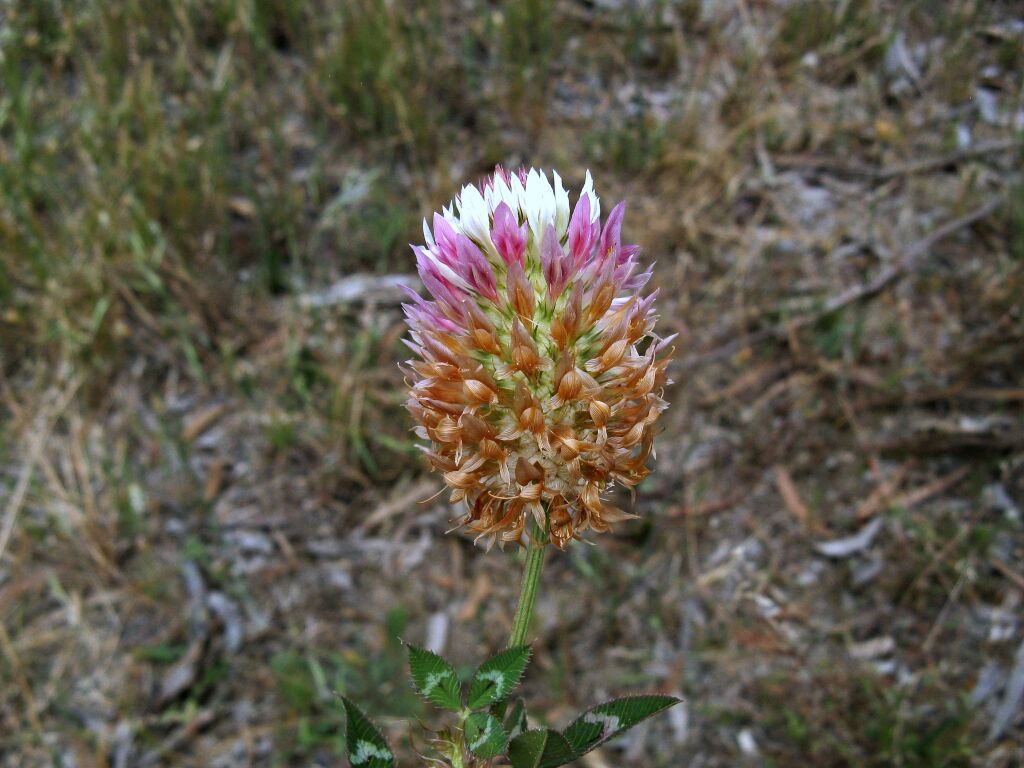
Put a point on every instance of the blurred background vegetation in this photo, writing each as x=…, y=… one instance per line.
x=208, y=489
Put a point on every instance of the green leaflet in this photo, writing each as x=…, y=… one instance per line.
x=515, y=721
x=497, y=676
x=541, y=748
x=544, y=748
x=485, y=736
x=434, y=679
x=608, y=720
x=366, y=746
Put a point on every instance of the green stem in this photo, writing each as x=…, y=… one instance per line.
x=528, y=592
x=456, y=754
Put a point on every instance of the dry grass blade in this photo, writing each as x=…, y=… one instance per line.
x=53, y=405
x=24, y=687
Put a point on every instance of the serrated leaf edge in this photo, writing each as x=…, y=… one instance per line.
x=669, y=702
x=434, y=680
x=497, y=678
x=364, y=749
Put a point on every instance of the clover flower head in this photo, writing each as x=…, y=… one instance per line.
x=538, y=377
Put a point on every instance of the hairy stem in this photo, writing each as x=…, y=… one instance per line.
x=528, y=592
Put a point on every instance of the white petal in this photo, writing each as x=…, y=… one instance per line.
x=540, y=202
x=473, y=214
x=561, y=206
x=491, y=197
x=511, y=197
x=518, y=193
x=490, y=191
x=428, y=238
x=499, y=193
x=595, y=203
x=451, y=218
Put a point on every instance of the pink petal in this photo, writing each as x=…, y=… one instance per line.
x=554, y=262
x=501, y=171
x=476, y=269
x=508, y=237
x=426, y=314
x=611, y=238
x=628, y=252
x=440, y=287
x=581, y=232
x=445, y=235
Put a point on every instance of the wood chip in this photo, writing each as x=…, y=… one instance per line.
x=873, y=648
x=180, y=675
x=850, y=545
x=437, y=632
x=791, y=497
x=1009, y=709
x=242, y=207
x=360, y=287
x=201, y=420
x=214, y=480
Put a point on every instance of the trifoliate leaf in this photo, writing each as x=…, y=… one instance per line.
x=434, y=679
x=541, y=748
x=366, y=747
x=497, y=676
x=606, y=721
x=485, y=736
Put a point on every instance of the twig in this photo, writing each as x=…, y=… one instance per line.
x=934, y=442
x=905, y=264
x=399, y=502
x=1008, y=572
x=883, y=493
x=704, y=508
x=923, y=493
x=904, y=169
x=873, y=287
